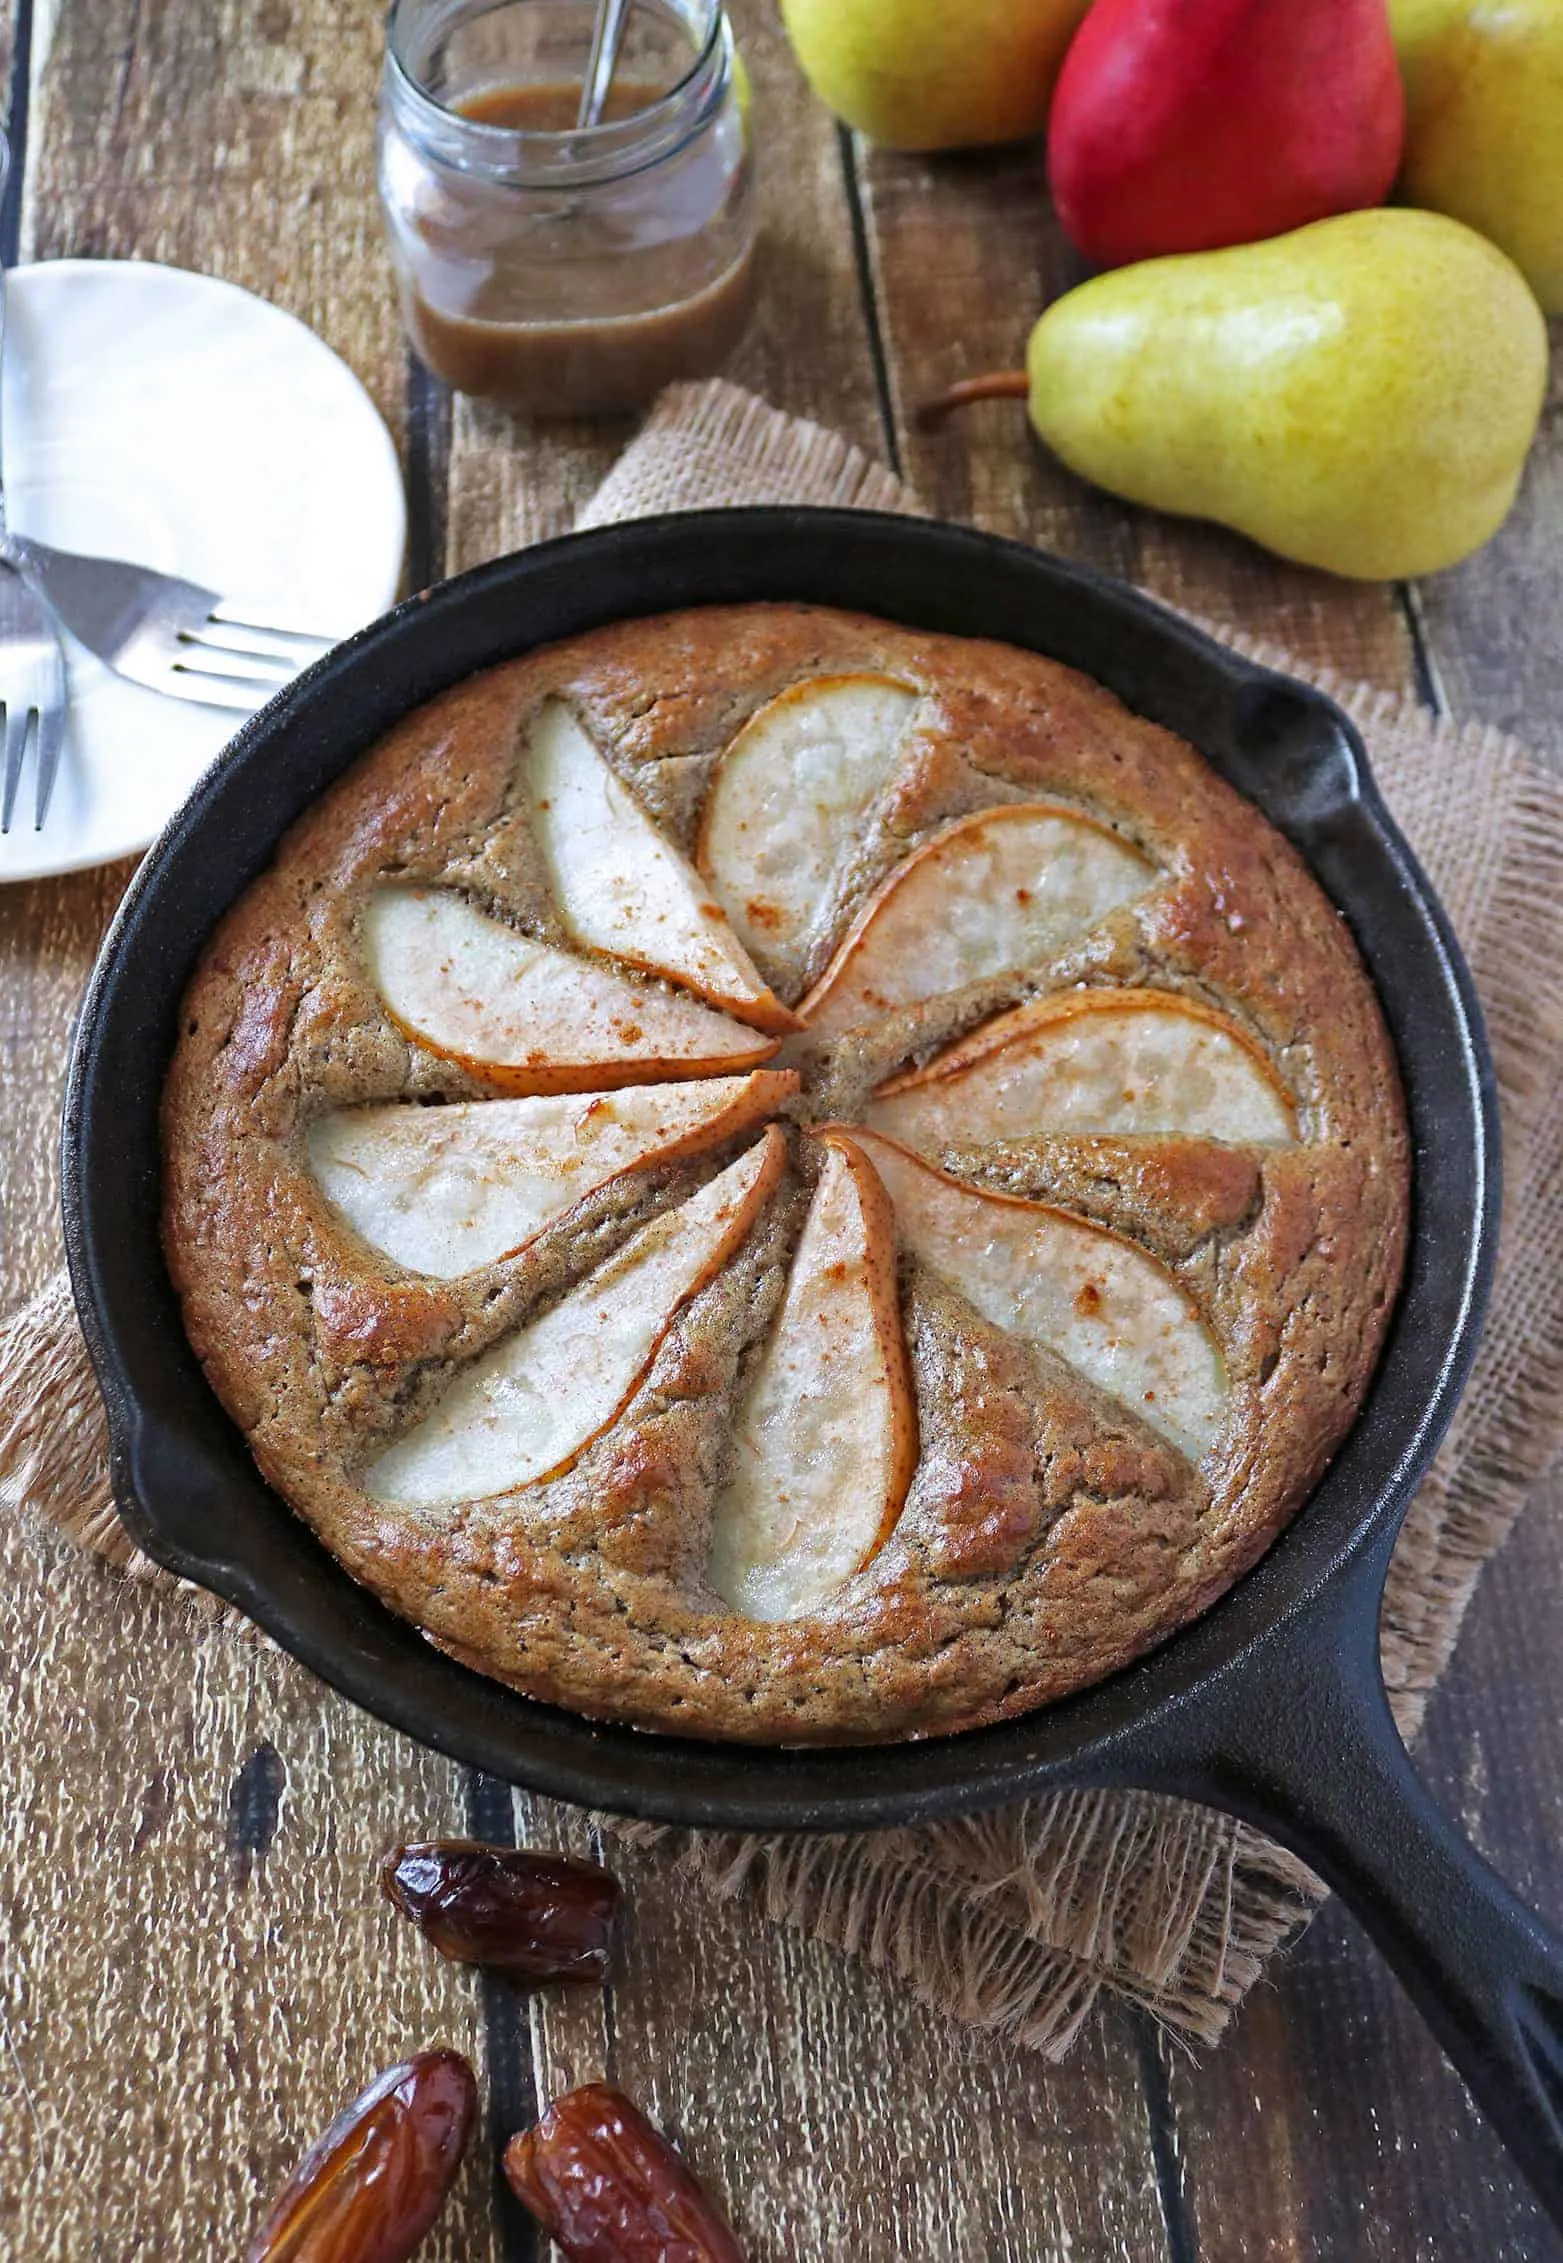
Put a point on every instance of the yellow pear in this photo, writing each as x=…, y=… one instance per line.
x=928, y=74
x=1484, y=123
x=1358, y=395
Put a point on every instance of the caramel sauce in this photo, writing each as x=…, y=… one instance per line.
x=535, y=109
x=546, y=319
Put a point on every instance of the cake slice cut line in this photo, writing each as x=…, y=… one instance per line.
x=1000, y=891
x=444, y=1191
x=788, y=798
x=1100, y=1302
x=1126, y=1063
x=621, y=887
x=824, y=1442
x=527, y=1410
x=528, y=1017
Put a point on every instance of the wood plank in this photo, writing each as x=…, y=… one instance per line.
x=1328, y=2126
x=833, y=2113
x=231, y=138
x=1329, y=2123
x=1491, y=624
x=844, y=2119
x=197, y=1967
x=49, y=932
x=965, y=254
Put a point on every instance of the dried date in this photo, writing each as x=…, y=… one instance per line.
x=368, y=2190
x=533, y=1917
x=610, y=2189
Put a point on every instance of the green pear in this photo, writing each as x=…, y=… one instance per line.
x=934, y=74
x=1484, y=123
x=1358, y=395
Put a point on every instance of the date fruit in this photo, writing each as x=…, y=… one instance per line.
x=530, y=1916
x=368, y=2190
x=610, y=2189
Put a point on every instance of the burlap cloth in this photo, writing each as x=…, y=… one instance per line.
x=1017, y=1919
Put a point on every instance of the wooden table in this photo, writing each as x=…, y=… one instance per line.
x=196, y=1968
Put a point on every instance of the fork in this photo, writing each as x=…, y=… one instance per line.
x=174, y=636
x=32, y=694
x=32, y=666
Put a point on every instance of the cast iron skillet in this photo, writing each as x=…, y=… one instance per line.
x=1271, y=1706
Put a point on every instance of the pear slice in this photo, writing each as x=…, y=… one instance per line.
x=1096, y=1300
x=530, y=1018
x=994, y=893
x=826, y=1437
x=789, y=795
x=445, y=1190
x=528, y=1410
x=1112, y=1062
x=620, y=887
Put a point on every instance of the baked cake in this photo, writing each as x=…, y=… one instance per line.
x=763, y=1174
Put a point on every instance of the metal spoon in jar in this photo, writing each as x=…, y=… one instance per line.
x=607, y=37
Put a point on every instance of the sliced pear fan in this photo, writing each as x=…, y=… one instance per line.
x=530, y=1018
x=620, y=886
x=789, y=795
x=529, y=1409
x=825, y=1441
x=1116, y=1062
x=997, y=892
x=444, y=1190
x=1096, y=1300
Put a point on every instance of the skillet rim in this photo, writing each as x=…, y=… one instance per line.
x=162, y=1454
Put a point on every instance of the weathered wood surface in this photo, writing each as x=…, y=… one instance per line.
x=195, y=1966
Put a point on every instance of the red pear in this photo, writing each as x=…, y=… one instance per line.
x=1185, y=125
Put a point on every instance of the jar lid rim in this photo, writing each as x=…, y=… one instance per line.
x=578, y=155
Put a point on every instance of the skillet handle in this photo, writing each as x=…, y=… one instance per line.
x=1320, y=1765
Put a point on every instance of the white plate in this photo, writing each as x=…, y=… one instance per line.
x=176, y=420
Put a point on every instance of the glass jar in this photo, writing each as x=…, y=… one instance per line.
x=561, y=271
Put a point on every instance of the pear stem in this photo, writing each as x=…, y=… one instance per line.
x=997, y=385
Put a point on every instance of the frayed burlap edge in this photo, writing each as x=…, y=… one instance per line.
x=54, y=1450
x=1016, y=1921
x=715, y=447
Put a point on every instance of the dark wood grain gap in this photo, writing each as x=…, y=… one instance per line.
x=869, y=288
x=508, y=2061
x=600, y=1853
x=157, y=1805
x=1429, y=684
x=127, y=66
x=507, y=2036
x=254, y=1811
x=18, y=104
x=428, y=469
x=1162, y=2124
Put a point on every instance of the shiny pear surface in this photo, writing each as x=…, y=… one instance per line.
x=926, y=74
x=1484, y=123
x=1358, y=395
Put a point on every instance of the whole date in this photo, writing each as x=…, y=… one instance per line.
x=368, y=2190
x=610, y=2189
x=532, y=1917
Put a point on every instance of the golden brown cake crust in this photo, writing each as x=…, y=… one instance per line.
x=1049, y=1535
